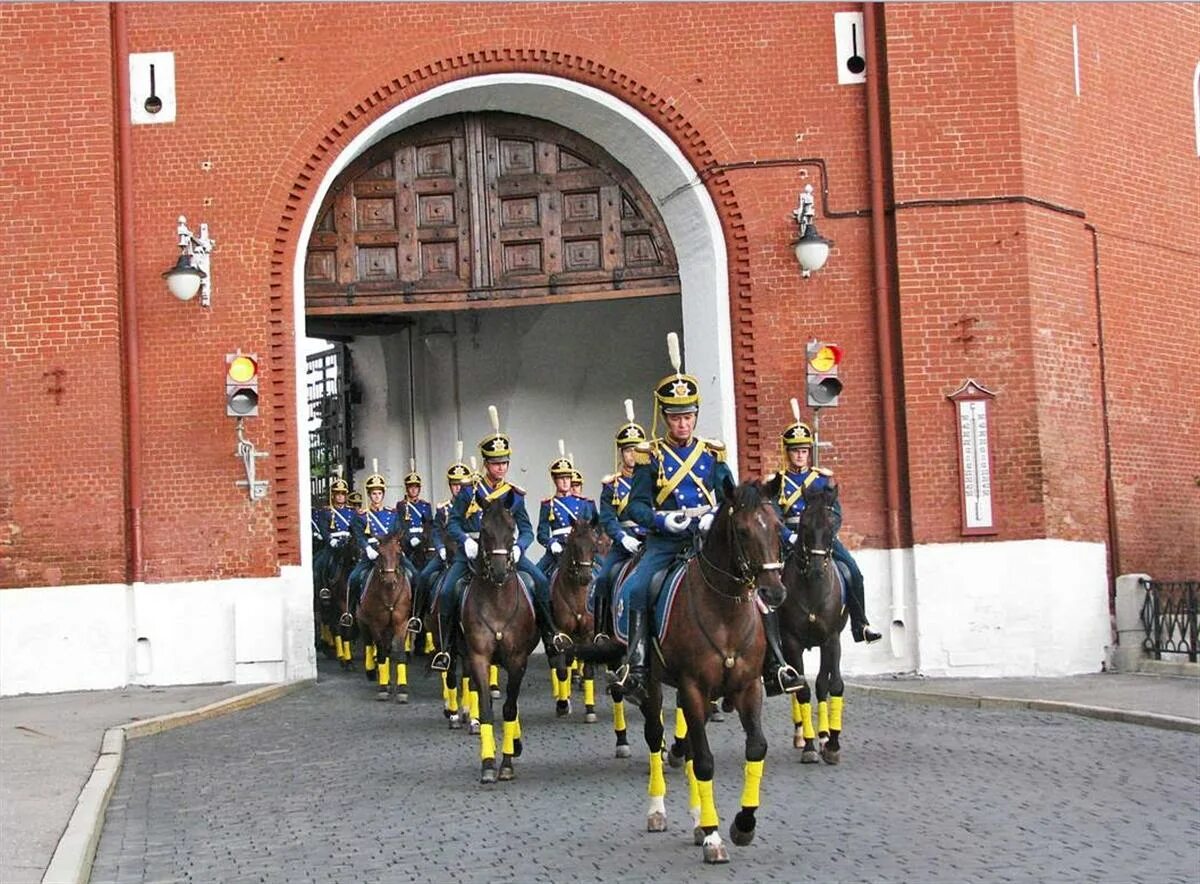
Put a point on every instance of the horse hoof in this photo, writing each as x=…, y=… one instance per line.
x=623, y=751
x=473, y=727
x=739, y=835
x=715, y=850
x=798, y=740
x=718, y=716
x=590, y=718
x=507, y=773
x=488, y=776
x=809, y=756
x=402, y=698
x=562, y=708
x=446, y=713
x=518, y=747
x=656, y=822
x=381, y=694
x=698, y=836
x=495, y=693
x=455, y=722
x=831, y=756
x=676, y=758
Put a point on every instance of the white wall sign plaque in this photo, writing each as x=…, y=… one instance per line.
x=972, y=403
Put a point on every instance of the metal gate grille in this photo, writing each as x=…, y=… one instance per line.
x=329, y=439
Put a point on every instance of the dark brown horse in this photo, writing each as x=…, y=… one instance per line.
x=813, y=617
x=331, y=601
x=713, y=648
x=383, y=618
x=568, y=604
x=498, y=627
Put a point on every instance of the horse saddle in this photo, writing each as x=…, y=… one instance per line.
x=844, y=573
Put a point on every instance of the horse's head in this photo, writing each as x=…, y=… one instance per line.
x=391, y=551
x=745, y=533
x=581, y=549
x=819, y=521
x=497, y=536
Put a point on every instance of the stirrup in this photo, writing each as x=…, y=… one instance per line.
x=440, y=662
x=414, y=625
x=346, y=620
x=787, y=674
x=601, y=638
x=619, y=677
x=325, y=593
x=561, y=642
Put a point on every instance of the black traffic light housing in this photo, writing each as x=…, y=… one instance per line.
x=822, y=383
x=241, y=384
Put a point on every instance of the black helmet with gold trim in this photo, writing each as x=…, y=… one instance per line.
x=375, y=480
x=797, y=434
x=458, y=473
x=338, y=485
x=413, y=477
x=677, y=393
x=561, y=465
x=495, y=445
x=630, y=432
x=355, y=499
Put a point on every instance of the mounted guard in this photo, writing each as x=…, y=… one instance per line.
x=414, y=514
x=369, y=526
x=457, y=474
x=559, y=513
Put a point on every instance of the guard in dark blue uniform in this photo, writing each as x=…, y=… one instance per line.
x=466, y=519
x=558, y=514
x=799, y=474
x=626, y=535
x=678, y=483
x=334, y=528
x=413, y=514
x=457, y=474
x=370, y=524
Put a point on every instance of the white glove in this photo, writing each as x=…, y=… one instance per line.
x=516, y=556
x=335, y=542
x=414, y=542
x=372, y=553
x=471, y=548
x=792, y=538
x=442, y=553
x=631, y=543
x=555, y=547
x=706, y=521
x=677, y=522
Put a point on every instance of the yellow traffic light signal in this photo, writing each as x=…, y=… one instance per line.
x=241, y=384
x=823, y=384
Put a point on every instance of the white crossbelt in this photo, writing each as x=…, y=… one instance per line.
x=474, y=535
x=693, y=512
x=792, y=520
x=416, y=530
x=558, y=532
x=629, y=523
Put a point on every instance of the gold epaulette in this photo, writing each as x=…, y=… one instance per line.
x=717, y=447
x=517, y=488
x=642, y=453
x=769, y=477
x=443, y=504
x=823, y=471
x=608, y=480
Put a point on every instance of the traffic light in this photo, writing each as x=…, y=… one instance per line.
x=241, y=384
x=823, y=383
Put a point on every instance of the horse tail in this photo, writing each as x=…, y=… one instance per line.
x=606, y=651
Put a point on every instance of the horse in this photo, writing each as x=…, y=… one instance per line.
x=569, y=607
x=383, y=617
x=498, y=626
x=813, y=617
x=332, y=599
x=712, y=648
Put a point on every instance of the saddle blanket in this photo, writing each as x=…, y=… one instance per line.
x=664, y=589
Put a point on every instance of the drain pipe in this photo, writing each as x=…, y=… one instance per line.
x=135, y=559
x=884, y=327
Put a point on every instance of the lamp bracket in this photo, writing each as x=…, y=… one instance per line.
x=197, y=248
x=248, y=454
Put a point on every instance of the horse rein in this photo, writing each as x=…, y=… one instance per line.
x=747, y=571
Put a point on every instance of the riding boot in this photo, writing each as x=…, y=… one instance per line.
x=778, y=675
x=447, y=624
x=556, y=642
x=856, y=605
x=416, y=621
x=631, y=678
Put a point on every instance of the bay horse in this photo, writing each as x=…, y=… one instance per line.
x=383, y=617
x=813, y=617
x=569, y=607
x=498, y=626
x=712, y=648
x=332, y=600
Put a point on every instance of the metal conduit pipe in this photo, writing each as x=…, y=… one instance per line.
x=884, y=327
x=135, y=559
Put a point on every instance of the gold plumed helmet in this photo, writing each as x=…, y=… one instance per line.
x=495, y=445
x=798, y=434
x=630, y=433
x=677, y=393
x=413, y=477
x=338, y=485
x=458, y=472
x=561, y=465
x=355, y=499
x=576, y=477
x=375, y=480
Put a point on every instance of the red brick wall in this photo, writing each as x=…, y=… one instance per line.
x=269, y=94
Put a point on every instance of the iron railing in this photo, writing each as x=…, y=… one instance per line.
x=1169, y=618
x=329, y=424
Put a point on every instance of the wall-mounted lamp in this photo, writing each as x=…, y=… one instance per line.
x=812, y=249
x=191, y=272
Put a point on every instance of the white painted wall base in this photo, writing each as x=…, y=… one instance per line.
x=73, y=638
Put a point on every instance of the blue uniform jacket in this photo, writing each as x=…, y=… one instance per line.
x=700, y=485
x=414, y=516
x=559, y=514
x=441, y=517
x=466, y=514
x=370, y=525
x=791, y=500
x=614, y=501
x=336, y=520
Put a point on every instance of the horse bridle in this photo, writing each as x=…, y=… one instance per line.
x=746, y=570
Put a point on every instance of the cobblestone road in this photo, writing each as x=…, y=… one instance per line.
x=328, y=785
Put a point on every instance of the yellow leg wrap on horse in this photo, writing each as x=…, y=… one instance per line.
x=475, y=704
x=680, y=724
x=619, y=715
x=445, y=689
x=823, y=717
x=658, y=785
x=510, y=734
x=693, y=785
x=429, y=643
x=796, y=713
x=589, y=692
x=384, y=670
x=326, y=635
x=835, y=713
x=555, y=684
x=487, y=742
x=708, y=807
x=337, y=646
x=408, y=643
x=369, y=657
x=517, y=732
x=347, y=651
x=753, y=779
x=493, y=676
x=564, y=688
x=806, y=720
x=401, y=674
x=452, y=699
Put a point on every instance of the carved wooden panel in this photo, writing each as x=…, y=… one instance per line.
x=478, y=207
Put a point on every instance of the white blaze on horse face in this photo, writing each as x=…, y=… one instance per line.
x=761, y=521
